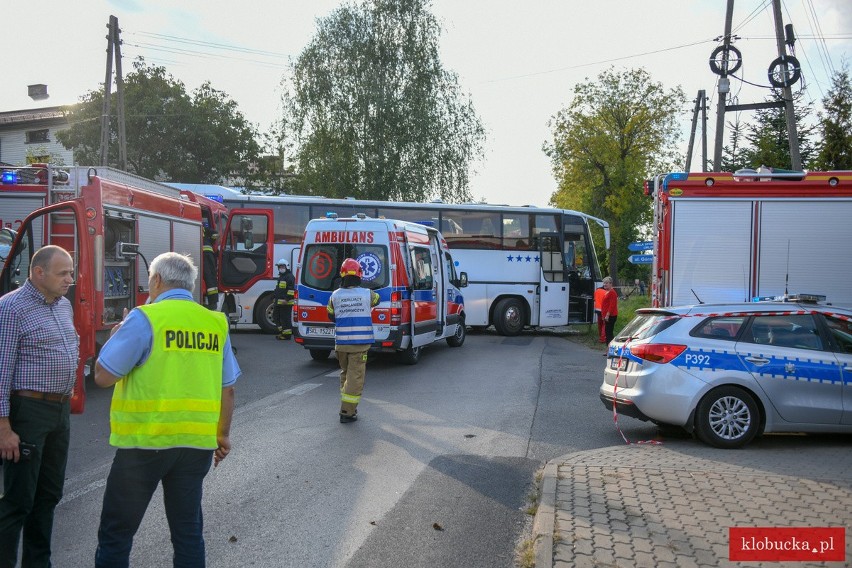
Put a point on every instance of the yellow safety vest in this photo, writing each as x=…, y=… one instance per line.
x=173, y=399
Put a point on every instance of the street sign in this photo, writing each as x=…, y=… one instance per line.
x=640, y=246
x=640, y=258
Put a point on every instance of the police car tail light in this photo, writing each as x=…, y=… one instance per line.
x=396, y=308
x=657, y=352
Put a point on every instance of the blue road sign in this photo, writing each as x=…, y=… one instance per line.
x=640, y=246
x=640, y=258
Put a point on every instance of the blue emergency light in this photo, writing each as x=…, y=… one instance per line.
x=10, y=177
x=330, y=215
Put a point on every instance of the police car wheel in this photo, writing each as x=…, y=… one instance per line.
x=727, y=417
x=457, y=339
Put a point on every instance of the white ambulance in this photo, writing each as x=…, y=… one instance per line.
x=407, y=264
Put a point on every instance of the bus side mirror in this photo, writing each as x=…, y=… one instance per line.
x=463, y=280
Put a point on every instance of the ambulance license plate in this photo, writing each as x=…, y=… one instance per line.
x=618, y=364
x=326, y=331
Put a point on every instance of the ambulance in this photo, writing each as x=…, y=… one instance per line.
x=407, y=264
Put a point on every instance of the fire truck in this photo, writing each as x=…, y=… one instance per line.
x=112, y=223
x=750, y=235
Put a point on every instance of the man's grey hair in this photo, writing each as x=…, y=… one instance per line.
x=45, y=254
x=607, y=279
x=175, y=270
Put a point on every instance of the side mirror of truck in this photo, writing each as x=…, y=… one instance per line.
x=463, y=280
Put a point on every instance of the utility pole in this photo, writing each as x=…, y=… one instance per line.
x=113, y=47
x=700, y=106
x=724, y=88
x=787, y=92
x=107, y=96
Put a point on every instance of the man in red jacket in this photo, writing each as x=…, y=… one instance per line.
x=599, y=295
x=609, y=308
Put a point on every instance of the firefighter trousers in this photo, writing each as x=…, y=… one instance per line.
x=353, y=366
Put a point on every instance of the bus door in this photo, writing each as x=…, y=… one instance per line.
x=553, y=282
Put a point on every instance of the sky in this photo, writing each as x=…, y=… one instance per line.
x=518, y=61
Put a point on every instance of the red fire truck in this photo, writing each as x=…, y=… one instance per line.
x=722, y=237
x=113, y=223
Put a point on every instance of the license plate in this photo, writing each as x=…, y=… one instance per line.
x=326, y=331
x=618, y=364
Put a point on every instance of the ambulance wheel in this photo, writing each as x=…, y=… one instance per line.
x=509, y=317
x=410, y=356
x=727, y=417
x=457, y=339
x=264, y=314
x=320, y=354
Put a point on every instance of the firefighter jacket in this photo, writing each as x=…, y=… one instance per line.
x=285, y=289
x=208, y=271
x=350, y=309
x=173, y=399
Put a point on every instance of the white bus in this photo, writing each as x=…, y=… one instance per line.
x=527, y=266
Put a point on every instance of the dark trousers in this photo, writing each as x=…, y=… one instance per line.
x=610, y=328
x=284, y=318
x=132, y=480
x=32, y=489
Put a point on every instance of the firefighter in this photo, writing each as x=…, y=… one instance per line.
x=350, y=308
x=285, y=292
x=209, y=270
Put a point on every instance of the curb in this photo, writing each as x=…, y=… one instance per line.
x=545, y=517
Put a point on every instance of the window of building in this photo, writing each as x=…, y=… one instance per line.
x=38, y=136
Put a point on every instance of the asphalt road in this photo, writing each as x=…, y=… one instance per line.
x=437, y=471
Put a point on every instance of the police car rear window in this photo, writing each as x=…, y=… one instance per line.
x=646, y=325
x=723, y=327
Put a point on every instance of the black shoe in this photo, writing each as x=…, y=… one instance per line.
x=346, y=418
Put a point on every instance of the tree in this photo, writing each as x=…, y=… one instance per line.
x=373, y=114
x=616, y=131
x=202, y=138
x=768, y=138
x=836, y=124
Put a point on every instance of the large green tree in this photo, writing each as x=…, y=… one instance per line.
x=616, y=131
x=372, y=113
x=172, y=135
x=836, y=124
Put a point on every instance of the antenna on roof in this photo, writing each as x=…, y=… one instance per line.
x=696, y=296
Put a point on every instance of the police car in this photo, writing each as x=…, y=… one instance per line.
x=731, y=372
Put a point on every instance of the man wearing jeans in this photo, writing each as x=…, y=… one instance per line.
x=173, y=369
x=39, y=352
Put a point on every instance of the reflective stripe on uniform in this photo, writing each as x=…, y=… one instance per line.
x=350, y=398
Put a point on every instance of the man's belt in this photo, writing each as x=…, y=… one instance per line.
x=49, y=396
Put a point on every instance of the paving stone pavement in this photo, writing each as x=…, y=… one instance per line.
x=672, y=504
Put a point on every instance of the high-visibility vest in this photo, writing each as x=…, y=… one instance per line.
x=353, y=322
x=173, y=399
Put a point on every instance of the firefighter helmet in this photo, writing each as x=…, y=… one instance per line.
x=283, y=262
x=350, y=267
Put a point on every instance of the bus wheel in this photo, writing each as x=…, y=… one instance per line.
x=457, y=339
x=264, y=314
x=410, y=356
x=320, y=354
x=509, y=316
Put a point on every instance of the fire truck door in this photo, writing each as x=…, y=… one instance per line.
x=246, y=249
x=553, y=284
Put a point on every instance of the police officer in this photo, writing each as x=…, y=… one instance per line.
x=350, y=309
x=209, y=271
x=285, y=291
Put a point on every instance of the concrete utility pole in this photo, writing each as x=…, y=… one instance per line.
x=113, y=47
x=787, y=92
x=700, y=106
x=724, y=88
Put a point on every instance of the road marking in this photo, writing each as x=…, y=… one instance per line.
x=302, y=389
x=68, y=497
x=334, y=374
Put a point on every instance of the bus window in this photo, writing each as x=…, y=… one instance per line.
x=516, y=232
x=290, y=221
x=342, y=210
x=578, y=254
x=425, y=217
x=479, y=229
